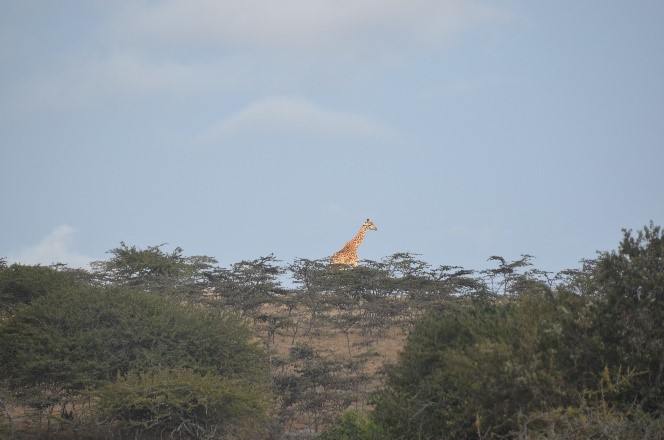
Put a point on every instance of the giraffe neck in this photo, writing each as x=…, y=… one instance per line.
x=355, y=242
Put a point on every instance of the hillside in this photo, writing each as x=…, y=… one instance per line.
x=508, y=352
x=346, y=362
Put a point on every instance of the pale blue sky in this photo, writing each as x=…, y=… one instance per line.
x=237, y=129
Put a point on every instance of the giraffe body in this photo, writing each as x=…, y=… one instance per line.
x=347, y=256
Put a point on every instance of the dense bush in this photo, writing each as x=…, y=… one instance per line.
x=470, y=368
x=628, y=285
x=182, y=403
x=66, y=342
x=352, y=425
x=591, y=420
x=19, y=284
x=81, y=337
x=531, y=358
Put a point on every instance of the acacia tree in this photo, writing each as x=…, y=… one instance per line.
x=153, y=269
x=248, y=285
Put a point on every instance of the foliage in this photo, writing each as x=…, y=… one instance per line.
x=478, y=367
x=66, y=341
x=248, y=285
x=152, y=269
x=469, y=368
x=508, y=352
x=20, y=284
x=352, y=426
x=593, y=423
x=181, y=403
x=594, y=416
x=629, y=287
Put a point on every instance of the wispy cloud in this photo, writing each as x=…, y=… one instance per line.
x=297, y=118
x=300, y=25
x=179, y=47
x=56, y=247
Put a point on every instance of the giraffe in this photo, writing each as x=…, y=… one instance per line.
x=347, y=256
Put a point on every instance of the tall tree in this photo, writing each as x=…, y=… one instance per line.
x=629, y=287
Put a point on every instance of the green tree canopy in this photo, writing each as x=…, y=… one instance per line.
x=628, y=286
x=470, y=367
x=152, y=269
x=21, y=284
x=180, y=403
x=82, y=337
x=515, y=356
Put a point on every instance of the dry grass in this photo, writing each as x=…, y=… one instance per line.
x=368, y=349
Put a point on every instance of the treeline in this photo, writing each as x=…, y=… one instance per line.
x=156, y=344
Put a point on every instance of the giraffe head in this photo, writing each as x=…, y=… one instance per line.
x=369, y=225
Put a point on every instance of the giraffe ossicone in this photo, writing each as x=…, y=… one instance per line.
x=347, y=256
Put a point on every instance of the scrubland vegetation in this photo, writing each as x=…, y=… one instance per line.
x=154, y=344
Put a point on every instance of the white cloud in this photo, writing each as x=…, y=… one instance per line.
x=295, y=117
x=296, y=25
x=56, y=247
x=183, y=47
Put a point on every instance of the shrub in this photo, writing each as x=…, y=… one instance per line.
x=21, y=284
x=352, y=426
x=81, y=339
x=592, y=422
x=181, y=403
x=468, y=369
